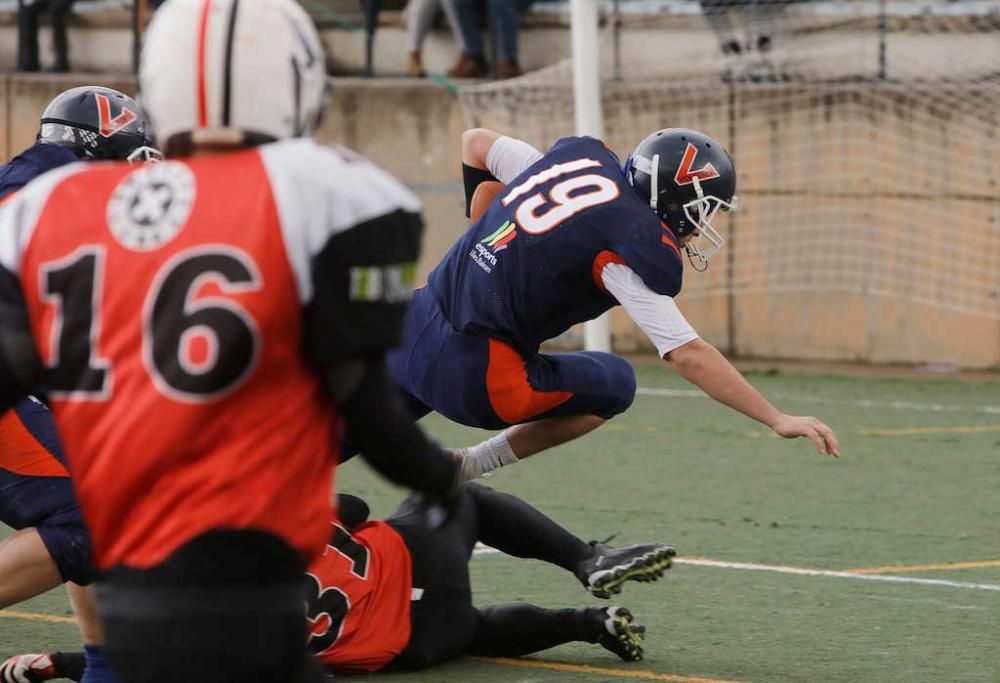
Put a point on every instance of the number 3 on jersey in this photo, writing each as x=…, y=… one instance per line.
x=327, y=606
x=174, y=320
x=567, y=198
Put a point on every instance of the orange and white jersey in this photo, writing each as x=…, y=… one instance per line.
x=181, y=313
x=358, y=598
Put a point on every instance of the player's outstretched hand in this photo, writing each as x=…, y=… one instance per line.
x=27, y=669
x=792, y=426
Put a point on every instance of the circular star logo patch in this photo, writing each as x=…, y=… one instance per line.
x=151, y=205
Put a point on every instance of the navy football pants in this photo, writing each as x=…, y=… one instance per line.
x=482, y=382
x=36, y=491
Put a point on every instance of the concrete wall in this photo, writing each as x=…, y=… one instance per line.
x=412, y=128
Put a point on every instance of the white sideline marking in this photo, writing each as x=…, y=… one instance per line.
x=778, y=569
x=914, y=406
x=890, y=578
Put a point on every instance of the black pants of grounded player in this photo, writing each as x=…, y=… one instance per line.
x=225, y=608
x=445, y=624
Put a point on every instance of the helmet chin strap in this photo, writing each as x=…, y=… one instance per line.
x=695, y=257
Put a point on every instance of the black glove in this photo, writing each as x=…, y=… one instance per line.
x=380, y=425
x=440, y=508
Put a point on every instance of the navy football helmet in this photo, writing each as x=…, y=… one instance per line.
x=686, y=177
x=98, y=123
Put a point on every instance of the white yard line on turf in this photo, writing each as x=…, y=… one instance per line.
x=914, y=406
x=802, y=571
x=890, y=578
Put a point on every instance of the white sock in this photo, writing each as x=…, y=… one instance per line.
x=485, y=457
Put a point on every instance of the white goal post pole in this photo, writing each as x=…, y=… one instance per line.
x=589, y=117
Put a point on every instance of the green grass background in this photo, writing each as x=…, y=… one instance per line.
x=686, y=471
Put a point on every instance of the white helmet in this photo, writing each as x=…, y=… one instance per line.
x=226, y=71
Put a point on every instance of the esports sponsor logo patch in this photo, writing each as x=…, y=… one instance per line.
x=499, y=240
x=485, y=251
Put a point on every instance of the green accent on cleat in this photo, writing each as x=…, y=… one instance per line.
x=634, y=563
x=621, y=635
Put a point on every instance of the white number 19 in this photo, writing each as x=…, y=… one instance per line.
x=570, y=196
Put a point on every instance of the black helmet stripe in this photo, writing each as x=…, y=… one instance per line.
x=227, y=87
x=297, y=95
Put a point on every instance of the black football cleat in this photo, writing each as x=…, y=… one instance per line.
x=620, y=634
x=604, y=572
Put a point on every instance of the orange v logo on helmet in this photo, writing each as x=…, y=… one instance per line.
x=110, y=126
x=685, y=176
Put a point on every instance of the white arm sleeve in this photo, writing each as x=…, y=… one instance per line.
x=507, y=158
x=656, y=314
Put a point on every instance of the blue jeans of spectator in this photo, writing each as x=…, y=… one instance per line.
x=505, y=15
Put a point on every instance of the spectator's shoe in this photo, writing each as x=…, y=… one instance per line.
x=415, y=69
x=731, y=47
x=508, y=69
x=607, y=568
x=469, y=66
x=619, y=634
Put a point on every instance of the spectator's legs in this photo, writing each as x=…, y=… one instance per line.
x=449, y=12
x=506, y=18
x=762, y=22
x=717, y=14
x=419, y=18
x=60, y=44
x=469, y=14
x=471, y=64
x=27, y=34
x=761, y=19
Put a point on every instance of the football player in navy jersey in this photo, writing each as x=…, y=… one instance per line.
x=570, y=234
x=294, y=299
x=88, y=123
x=51, y=545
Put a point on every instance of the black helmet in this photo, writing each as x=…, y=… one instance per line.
x=686, y=177
x=98, y=123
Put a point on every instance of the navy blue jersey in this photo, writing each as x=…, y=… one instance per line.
x=31, y=163
x=530, y=267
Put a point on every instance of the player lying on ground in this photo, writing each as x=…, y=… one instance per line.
x=395, y=594
x=571, y=235
x=201, y=330
x=51, y=544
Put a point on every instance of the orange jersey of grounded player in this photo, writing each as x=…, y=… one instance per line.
x=358, y=598
x=176, y=312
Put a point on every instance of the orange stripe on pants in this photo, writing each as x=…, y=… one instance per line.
x=514, y=400
x=21, y=453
